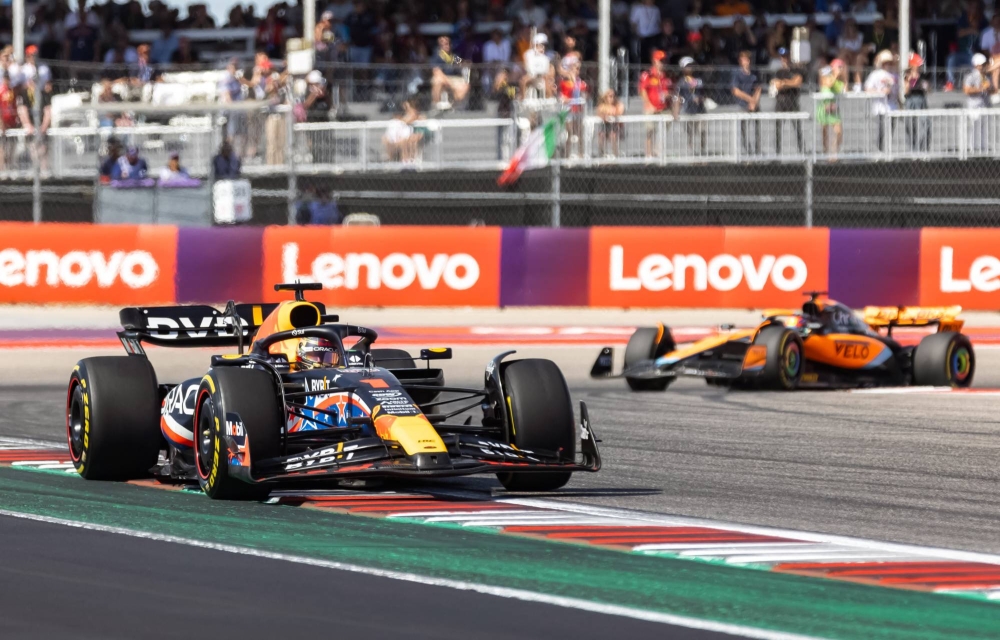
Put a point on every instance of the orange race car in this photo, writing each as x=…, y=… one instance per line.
x=826, y=345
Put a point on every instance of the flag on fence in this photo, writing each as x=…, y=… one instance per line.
x=536, y=151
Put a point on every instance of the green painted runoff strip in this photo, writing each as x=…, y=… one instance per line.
x=775, y=601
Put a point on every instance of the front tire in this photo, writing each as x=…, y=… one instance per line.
x=541, y=413
x=785, y=361
x=648, y=343
x=113, y=418
x=944, y=359
x=250, y=394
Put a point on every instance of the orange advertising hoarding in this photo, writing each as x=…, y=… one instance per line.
x=82, y=263
x=402, y=266
x=960, y=266
x=748, y=267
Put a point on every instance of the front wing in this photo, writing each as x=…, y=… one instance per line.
x=729, y=361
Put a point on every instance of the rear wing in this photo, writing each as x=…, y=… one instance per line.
x=945, y=318
x=193, y=325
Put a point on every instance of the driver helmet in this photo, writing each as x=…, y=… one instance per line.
x=313, y=353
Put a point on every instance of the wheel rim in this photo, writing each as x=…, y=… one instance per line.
x=205, y=438
x=75, y=423
x=961, y=365
x=792, y=360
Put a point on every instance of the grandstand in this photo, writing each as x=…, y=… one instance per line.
x=182, y=84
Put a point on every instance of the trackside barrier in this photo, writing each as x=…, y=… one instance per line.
x=749, y=267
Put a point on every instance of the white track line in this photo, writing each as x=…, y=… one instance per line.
x=503, y=592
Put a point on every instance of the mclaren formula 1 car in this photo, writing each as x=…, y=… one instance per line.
x=299, y=405
x=826, y=345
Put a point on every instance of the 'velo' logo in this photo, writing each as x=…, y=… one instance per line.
x=984, y=274
x=396, y=271
x=723, y=272
x=135, y=269
x=852, y=350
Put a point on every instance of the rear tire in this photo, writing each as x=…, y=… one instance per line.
x=113, y=418
x=542, y=418
x=648, y=343
x=393, y=359
x=250, y=394
x=783, y=368
x=944, y=360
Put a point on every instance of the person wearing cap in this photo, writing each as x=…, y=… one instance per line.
x=746, y=89
x=655, y=89
x=539, y=74
x=130, y=166
x=976, y=87
x=690, y=94
x=174, y=171
x=832, y=83
x=880, y=86
x=787, y=84
x=446, y=73
x=915, y=88
x=316, y=104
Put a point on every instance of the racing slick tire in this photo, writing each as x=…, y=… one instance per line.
x=541, y=413
x=251, y=395
x=784, y=364
x=647, y=343
x=113, y=418
x=944, y=359
x=393, y=359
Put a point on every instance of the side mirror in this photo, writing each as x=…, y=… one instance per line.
x=443, y=353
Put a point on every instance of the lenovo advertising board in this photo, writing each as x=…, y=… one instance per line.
x=706, y=266
x=81, y=263
x=387, y=266
x=960, y=266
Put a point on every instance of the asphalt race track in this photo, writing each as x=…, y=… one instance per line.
x=918, y=468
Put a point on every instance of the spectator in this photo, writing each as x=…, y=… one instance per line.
x=835, y=28
x=198, y=18
x=271, y=35
x=30, y=69
x=164, y=47
x=316, y=104
x=324, y=37
x=970, y=23
x=37, y=94
x=81, y=16
x=539, y=74
x=881, y=86
x=690, y=92
x=401, y=142
x=990, y=40
x=130, y=166
x=108, y=96
x=667, y=40
x=174, y=171
x=645, y=20
x=8, y=119
x=226, y=164
x=497, y=48
x=741, y=39
x=778, y=39
x=532, y=15
x=361, y=27
x=318, y=207
x=655, y=89
x=142, y=73
x=832, y=83
x=134, y=18
x=882, y=38
x=447, y=74
x=976, y=87
x=746, y=90
x=918, y=130
x=340, y=9
x=185, y=54
x=787, y=84
x=121, y=53
x=819, y=44
x=236, y=18
x=504, y=92
x=851, y=44
x=82, y=37
x=573, y=92
x=609, y=110
x=733, y=8
x=114, y=153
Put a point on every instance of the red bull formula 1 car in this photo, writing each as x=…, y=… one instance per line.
x=826, y=345
x=299, y=405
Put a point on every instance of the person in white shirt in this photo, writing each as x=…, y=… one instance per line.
x=881, y=86
x=976, y=87
x=81, y=13
x=401, y=141
x=645, y=19
x=539, y=74
x=532, y=15
x=990, y=40
x=173, y=171
x=497, y=48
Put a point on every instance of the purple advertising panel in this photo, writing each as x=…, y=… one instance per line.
x=875, y=266
x=544, y=267
x=219, y=264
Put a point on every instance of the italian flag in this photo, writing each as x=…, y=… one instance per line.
x=536, y=151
